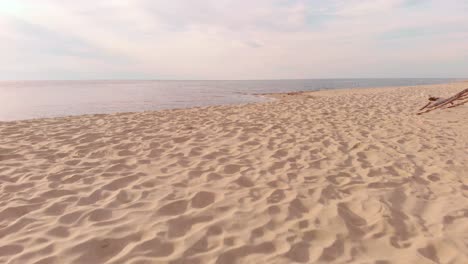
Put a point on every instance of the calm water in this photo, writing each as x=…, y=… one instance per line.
x=36, y=99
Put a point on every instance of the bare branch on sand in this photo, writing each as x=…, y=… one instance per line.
x=439, y=103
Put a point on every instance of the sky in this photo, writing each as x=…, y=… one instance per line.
x=232, y=39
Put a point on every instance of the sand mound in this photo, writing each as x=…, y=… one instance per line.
x=323, y=177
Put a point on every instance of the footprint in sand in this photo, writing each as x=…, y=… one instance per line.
x=244, y=182
x=276, y=196
x=203, y=199
x=155, y=248
x=99, y=215
x=234, y=255
x=299, y=252
x=174, y=208
x=180, y=226
x=231, y=168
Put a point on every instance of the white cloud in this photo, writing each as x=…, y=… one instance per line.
x=227, y=39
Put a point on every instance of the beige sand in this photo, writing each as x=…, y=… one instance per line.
x=324, y=177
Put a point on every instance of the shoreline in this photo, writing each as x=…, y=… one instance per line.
x=268, y=96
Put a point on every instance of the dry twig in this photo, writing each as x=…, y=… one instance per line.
x=437, y=103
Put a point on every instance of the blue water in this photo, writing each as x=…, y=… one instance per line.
x=37, y=99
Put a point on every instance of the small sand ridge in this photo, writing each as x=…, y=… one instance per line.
x=346, y=176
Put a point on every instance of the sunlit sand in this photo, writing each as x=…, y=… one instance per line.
x=331, y=176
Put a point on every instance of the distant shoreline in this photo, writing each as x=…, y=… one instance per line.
x=217, y=95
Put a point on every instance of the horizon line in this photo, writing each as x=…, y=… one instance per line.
x=206, y=80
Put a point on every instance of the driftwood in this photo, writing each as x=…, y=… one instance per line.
x=438, y=103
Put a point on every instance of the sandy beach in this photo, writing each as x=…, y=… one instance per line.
x=339, y=176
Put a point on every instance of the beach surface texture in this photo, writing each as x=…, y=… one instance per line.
x=339, y=176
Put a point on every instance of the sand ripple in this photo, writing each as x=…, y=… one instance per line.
x=325, y=177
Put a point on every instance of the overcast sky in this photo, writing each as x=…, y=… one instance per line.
x=232, y=39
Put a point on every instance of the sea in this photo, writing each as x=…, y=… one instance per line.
x=20, y=100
